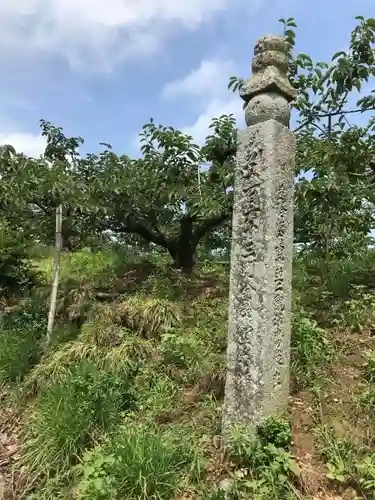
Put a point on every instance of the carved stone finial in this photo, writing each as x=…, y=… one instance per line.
x=268, y=92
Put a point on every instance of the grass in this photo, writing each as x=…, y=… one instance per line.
x=138, y=463
x=19, y=350
x=127, y=401
x=83, y=402
x=312, y=350
x=21, y=331
x=87, y=266
x=148, y=316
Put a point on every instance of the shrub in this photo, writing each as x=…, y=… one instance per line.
x=21, y=331
x=139, y=463
x=324, y=284
x=19, y=351
x=311, y=349
x=178, y=349
x=150, y=317
x=30, y=313
x=70, y=412
x=267, y=470
x=357, y=313
x=275, y=431
x=16, y=273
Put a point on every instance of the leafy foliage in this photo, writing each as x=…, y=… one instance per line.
x=21, y=331
x=165, y=197
x=312, y=349
x=16, y=273
x=69, y=413
x=267, y=468
x=139, y=464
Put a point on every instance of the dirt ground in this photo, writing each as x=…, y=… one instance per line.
x=335, y=408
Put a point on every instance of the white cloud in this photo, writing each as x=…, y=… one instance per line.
x=200, y=128
x=101, y=32
x=211, y=77
x=30, y=144
x=207, y=86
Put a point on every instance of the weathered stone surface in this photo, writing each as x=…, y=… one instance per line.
x=270, y=106
x=268, y=91
x=257, y=383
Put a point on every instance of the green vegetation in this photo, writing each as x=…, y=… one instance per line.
x=128, y=405
x=125, y=400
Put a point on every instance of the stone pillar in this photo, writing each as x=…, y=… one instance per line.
x=258, y=355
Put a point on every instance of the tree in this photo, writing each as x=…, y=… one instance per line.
x=217, y=243
x=33, y=188
x=173, y=196
x=337, y=201
x=334, y=211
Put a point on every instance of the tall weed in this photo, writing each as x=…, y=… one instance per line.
x=70, y=413
x=267, y=470
x=312, y=349
x=139, y=463
x=324, y=284
x=19, y=351
x=21, y=333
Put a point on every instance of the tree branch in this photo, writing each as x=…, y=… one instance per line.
x=210, y=224
x=335, y=113
x=131, y=227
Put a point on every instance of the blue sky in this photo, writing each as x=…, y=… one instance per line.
x=102, y=68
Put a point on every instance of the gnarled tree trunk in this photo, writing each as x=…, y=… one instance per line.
x=183, y=256
x=183, y=250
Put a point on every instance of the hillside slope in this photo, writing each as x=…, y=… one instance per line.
x=126, y=403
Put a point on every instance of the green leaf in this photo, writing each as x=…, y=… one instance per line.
x=291, y=23
x=371, y=23
x=339, y=54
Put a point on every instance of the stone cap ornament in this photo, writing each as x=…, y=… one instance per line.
x=268, y=92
